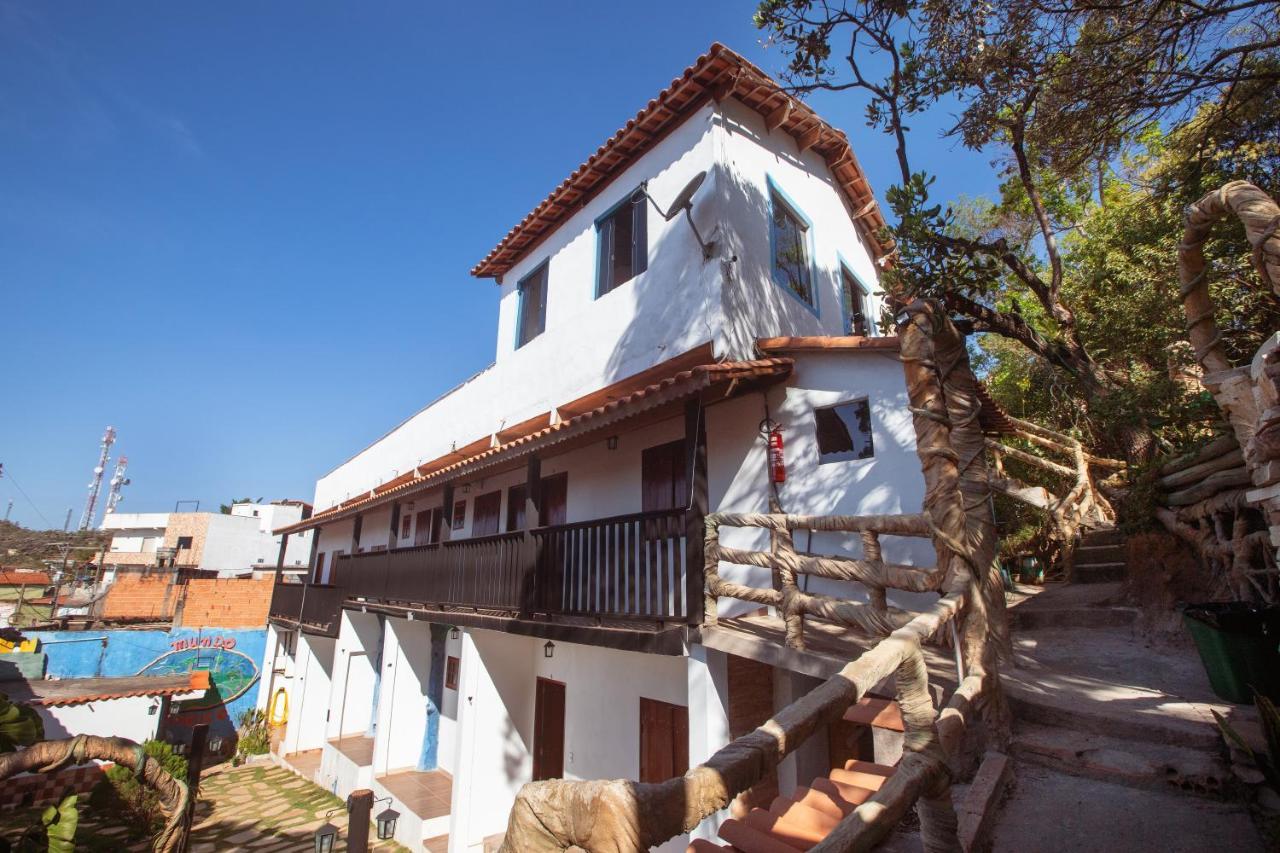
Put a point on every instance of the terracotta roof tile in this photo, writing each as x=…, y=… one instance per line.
x=717, y=74
x=16, y=578
x=77, y=691
x=678, y=385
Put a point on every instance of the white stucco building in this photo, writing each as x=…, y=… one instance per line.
x=508, y=585
x=242, y=541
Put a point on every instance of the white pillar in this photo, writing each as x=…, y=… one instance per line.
x=470, y=666
x=266, y=680
x=708, y=674
x=391, y=662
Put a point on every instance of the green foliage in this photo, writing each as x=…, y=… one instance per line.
x=121, y=790
x=255, y=732
x=1269, y=716
x=60, y=825
x=20, y=725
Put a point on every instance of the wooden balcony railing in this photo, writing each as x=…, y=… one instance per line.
x=309, y=605
x=286, y=601
x=626, y=567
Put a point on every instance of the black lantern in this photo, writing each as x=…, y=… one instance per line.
x=549, y=650
x=454, y=633
x=386, y=823
x=326, y=835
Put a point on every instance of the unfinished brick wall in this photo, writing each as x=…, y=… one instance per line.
x=134, y=596
x=233, y=603
x=230, y=603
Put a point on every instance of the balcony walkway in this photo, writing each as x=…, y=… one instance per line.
x=357, y=749
x=426, y=793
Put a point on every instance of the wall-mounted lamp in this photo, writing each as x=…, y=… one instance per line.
x=386, y=820
x=454, y=633
x=215, y=745
x=327, y=833
x=549, y=649
x=611, y=442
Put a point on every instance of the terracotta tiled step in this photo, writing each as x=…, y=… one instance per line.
x=870, y=767
x=799, y=835
x=852, y=794
x=874, y=711
x=858, y=778
x=747, y=838
x=828, y=802
x=701, y=845
x=799, y=813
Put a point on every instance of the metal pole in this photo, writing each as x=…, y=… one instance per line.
x=359, y=808
x=195, y=763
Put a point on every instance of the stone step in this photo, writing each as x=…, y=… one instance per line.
x=1043, y=710
x=1097, y=572
x=1027, y=619
x=1102, y=536
x=1101, y=554
x=1126, y=761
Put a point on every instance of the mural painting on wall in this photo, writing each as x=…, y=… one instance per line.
x=231, y=674
x=230, y=655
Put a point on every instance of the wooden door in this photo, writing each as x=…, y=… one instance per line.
x=548, y=730
x=422, y=528
x=664, y=740
x=484, y=515
x=555, y=500
x=662, y=477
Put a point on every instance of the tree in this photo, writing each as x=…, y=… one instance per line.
x=1060, y=91
x=225, y=509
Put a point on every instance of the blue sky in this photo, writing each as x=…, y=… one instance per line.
x=240, y=232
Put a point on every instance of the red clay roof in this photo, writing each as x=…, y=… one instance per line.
x=716, y=75
x=9, y=577
x=77, y=691
x=817, y=343
x=658, y=391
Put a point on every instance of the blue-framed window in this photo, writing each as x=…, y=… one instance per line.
x=532, y=313
x=844, y=431
x=790, y=243
x=853, y=298
x=622, y=243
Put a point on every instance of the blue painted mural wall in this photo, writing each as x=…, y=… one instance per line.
x=233, y=658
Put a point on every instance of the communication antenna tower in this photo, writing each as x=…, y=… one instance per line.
x=95, y=487
x=118, y=482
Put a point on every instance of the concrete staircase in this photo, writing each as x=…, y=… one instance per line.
x=808, y=814
x=1100, y=556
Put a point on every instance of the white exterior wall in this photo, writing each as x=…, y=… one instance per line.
x=755, y=306
x=130, y=718
x=353, y=675
x=603, y=688
x=591, y=342
x=309, y=693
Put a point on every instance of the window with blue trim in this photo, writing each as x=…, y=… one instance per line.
x=790, y=241
x=623, y=244
x=855, y=303
x=533, y=306
x=844, y=431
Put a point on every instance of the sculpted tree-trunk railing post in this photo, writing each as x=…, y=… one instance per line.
x=52, y=755
x=1204, y=511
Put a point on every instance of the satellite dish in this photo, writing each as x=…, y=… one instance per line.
x=685, y=198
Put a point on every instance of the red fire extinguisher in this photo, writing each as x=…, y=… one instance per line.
x=777, y=462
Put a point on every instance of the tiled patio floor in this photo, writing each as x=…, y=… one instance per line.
x=306, y=763
x=427, y=794
x=358, y=749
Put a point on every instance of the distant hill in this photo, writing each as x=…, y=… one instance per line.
x=23, y=548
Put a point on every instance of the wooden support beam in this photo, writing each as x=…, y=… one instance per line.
x=809, y=138
x=695, y=443
x=284, y=543
x=394, y=538
x=724, y=87
x=532, y=513
x=355, y=534
x=775, y=119
x=315, y=550
x=445, y=518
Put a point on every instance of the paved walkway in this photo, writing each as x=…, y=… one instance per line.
x=260, y=807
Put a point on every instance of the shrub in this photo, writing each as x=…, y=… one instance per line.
x=255, y=733
x=138, y=803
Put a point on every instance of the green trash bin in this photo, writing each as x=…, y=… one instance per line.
x=1238, y=645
